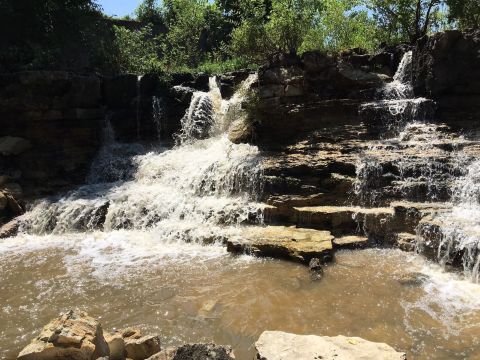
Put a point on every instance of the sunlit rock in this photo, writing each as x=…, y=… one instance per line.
x=284, y=242
x=276, y=345
x=74, y=335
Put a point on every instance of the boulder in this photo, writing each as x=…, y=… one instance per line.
x=116, y=346
x=74, y=335
x=277, y=345
x=10, y=229
x=141, y=348
x=11, y=145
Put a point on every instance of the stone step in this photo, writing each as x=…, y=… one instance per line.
x=343, y=220
x=350, y=242
x=297, y=244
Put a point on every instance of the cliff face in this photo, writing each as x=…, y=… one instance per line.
x=446, y=68
x=58, y=114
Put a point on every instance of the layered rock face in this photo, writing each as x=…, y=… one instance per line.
x=50, y=127
x=369, y=151
x=446, y=69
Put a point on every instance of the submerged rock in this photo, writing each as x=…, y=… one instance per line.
x=74, y=335
x=277, y=345
x=316, y=269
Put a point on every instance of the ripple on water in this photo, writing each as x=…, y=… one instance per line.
x=190, y=292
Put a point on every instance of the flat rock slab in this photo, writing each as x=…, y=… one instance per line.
x=296, y=244
x=277, y=345
x=350, y=242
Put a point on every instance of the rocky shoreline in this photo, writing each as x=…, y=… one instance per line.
x=76, y=336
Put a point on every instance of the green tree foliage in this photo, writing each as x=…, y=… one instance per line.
x=405, y=20
x=342, y=24
x=137, y=50
x=186, y=22
x=53, y=34
x=465, y=12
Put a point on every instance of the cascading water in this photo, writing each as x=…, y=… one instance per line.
x=195, y=192
x=409, y=156
x=456, y=232
x=417, y=160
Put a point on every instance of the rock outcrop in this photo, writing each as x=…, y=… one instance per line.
x=276, y=345
x=77, y=336
x=74, y=335
x=445, y=69
x=284, y=242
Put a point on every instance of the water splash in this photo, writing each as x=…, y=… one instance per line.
x=158, y=114
x=456, y=232
x=198, y=191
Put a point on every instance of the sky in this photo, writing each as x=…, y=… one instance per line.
x=118, y=7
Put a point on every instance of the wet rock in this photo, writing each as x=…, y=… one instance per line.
x=14, y=206
x=241, y=132
x=405, y=241
x=196, y=352
x=276, y=345
x=116, y=346
x=413, y=279
x=10, y=229
x=284, y=242
x=12, y=189
x=74, y=335
x=316, y=269
x=10, y=145
x=140, y=348
x=3, y=201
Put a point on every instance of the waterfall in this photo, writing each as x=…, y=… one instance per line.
x=158, y=115
x=457, y=231
x=397, y=105
x=198, y=191
x=400, y=87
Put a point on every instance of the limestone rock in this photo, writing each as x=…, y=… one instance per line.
x=116, y=346
x=141, y=348
x=284, y=242
x=10, y=145
x=276, y=345
x=74, y=335
x=350, y=242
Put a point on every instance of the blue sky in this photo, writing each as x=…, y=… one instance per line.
x=118, y=7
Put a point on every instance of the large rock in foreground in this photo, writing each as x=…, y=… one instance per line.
x=296, y=244
x=74, y=335
x=277, y=345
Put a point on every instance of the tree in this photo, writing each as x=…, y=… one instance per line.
x=186, y=22
x=137, y=50
x=52, y=34
x=465, y=12
x=342, y=24
x=405, y=20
